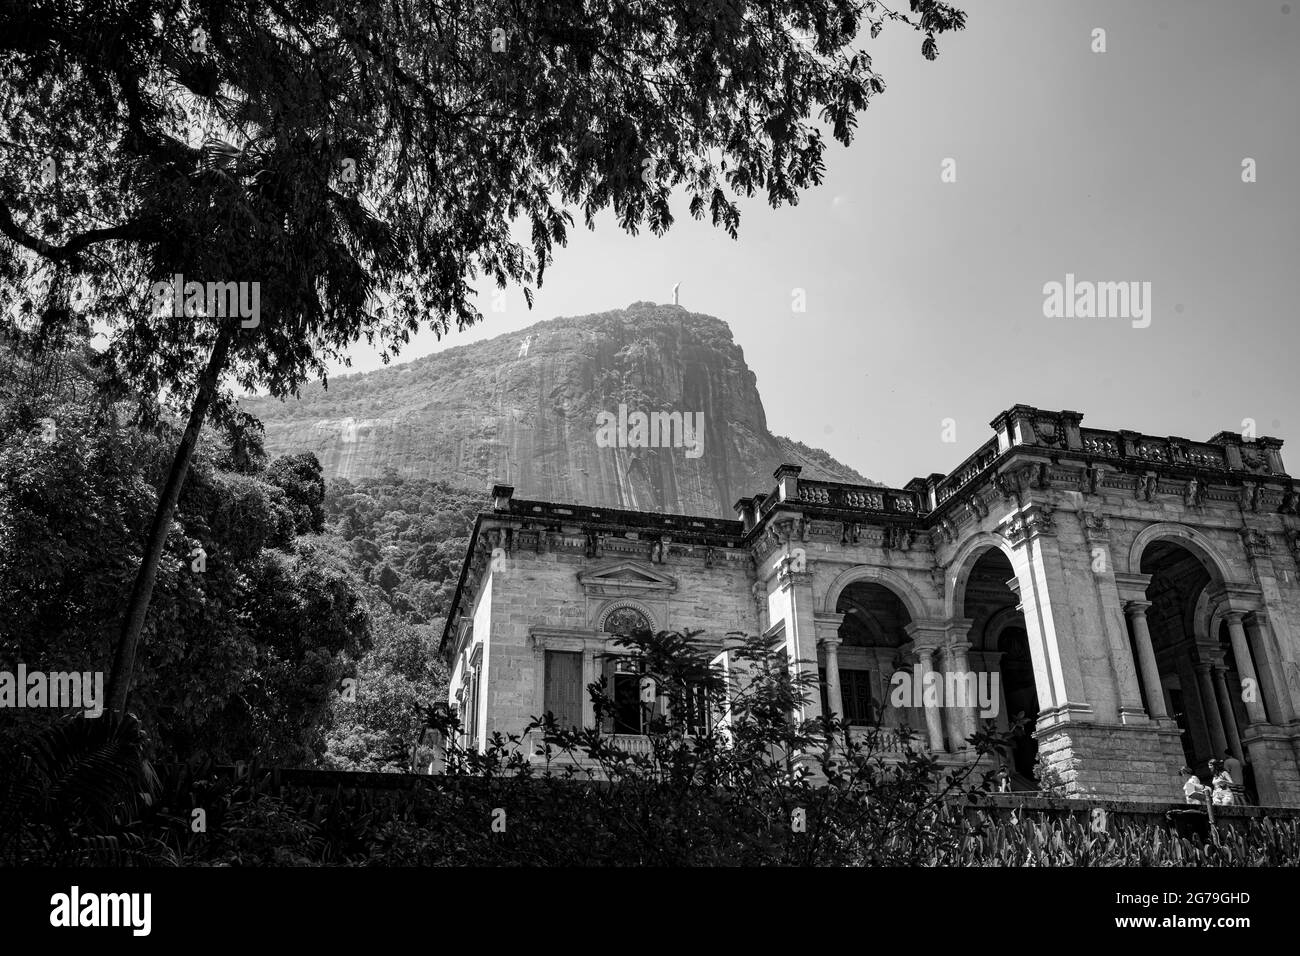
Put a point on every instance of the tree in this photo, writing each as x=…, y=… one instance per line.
x=379, y=725
x=331, y=170
x=244, y=653
x=300, y=478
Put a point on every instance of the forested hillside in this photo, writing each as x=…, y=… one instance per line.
x=275, y=589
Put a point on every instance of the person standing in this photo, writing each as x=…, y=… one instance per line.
x=1237, y=776
x=1002, y=780
x=1193, y=790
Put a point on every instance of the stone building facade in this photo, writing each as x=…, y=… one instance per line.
x=1136, y=597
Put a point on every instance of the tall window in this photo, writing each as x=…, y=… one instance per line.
x=471, y=708
x=630, y=715
x=563, y=687
x=855, y=695
x=630, y=712
x=855, y=691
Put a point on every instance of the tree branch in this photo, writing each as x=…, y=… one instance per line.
x=70, y=251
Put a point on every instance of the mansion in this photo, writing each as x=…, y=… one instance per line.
x=1135, y=598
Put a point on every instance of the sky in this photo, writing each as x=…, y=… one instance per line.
x=924, y=299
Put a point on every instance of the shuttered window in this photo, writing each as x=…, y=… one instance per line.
x=563, y=687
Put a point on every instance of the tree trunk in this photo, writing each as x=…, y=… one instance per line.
x=128, y=641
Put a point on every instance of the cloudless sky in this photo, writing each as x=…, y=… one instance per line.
x=925, y=298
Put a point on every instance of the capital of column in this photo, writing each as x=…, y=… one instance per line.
x=1239, y=599
x=830, y=641
x=1132, y=587
x=922, y=652
x=957, y=630
x=956, y=653
x=1209, y=654
x=827, y=625
x=930, y=634
x=1259, y=617
x=1136, y=608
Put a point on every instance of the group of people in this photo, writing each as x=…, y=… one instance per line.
x=1227, y=785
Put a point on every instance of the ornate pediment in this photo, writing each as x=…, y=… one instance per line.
x=624, y=578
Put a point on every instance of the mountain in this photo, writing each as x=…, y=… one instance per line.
x=524, y=409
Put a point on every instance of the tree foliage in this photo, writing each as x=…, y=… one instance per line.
x=365, y=163
x=253, y=625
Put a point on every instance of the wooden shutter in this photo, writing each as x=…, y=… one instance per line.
x=563, y=688
x=607, y=666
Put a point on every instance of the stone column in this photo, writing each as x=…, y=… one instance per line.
x=1225, y=705
x=1055, y=643
x=1137, y=616
x=963, y=711
x=834, y=696
x=1096, y=531
x=959, y=651
x=993, y=664
x=796, y=607
x=1260, y=633
x=1210, y=707
x=1245, y=668
x=933, y=719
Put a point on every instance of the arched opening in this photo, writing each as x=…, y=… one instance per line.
x=872, y=634
x=629, y=716
x=1196, y=675
x=1000, y=647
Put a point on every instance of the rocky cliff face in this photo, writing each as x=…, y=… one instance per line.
x=553, y=410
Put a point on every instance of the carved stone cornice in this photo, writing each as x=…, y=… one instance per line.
x=1004, y=485
x=1091, y=478
x=1096, y=527
x=1037, y=520
x=947, y=529
x=1255, y=542
x=788, y=578
x=895, y=538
